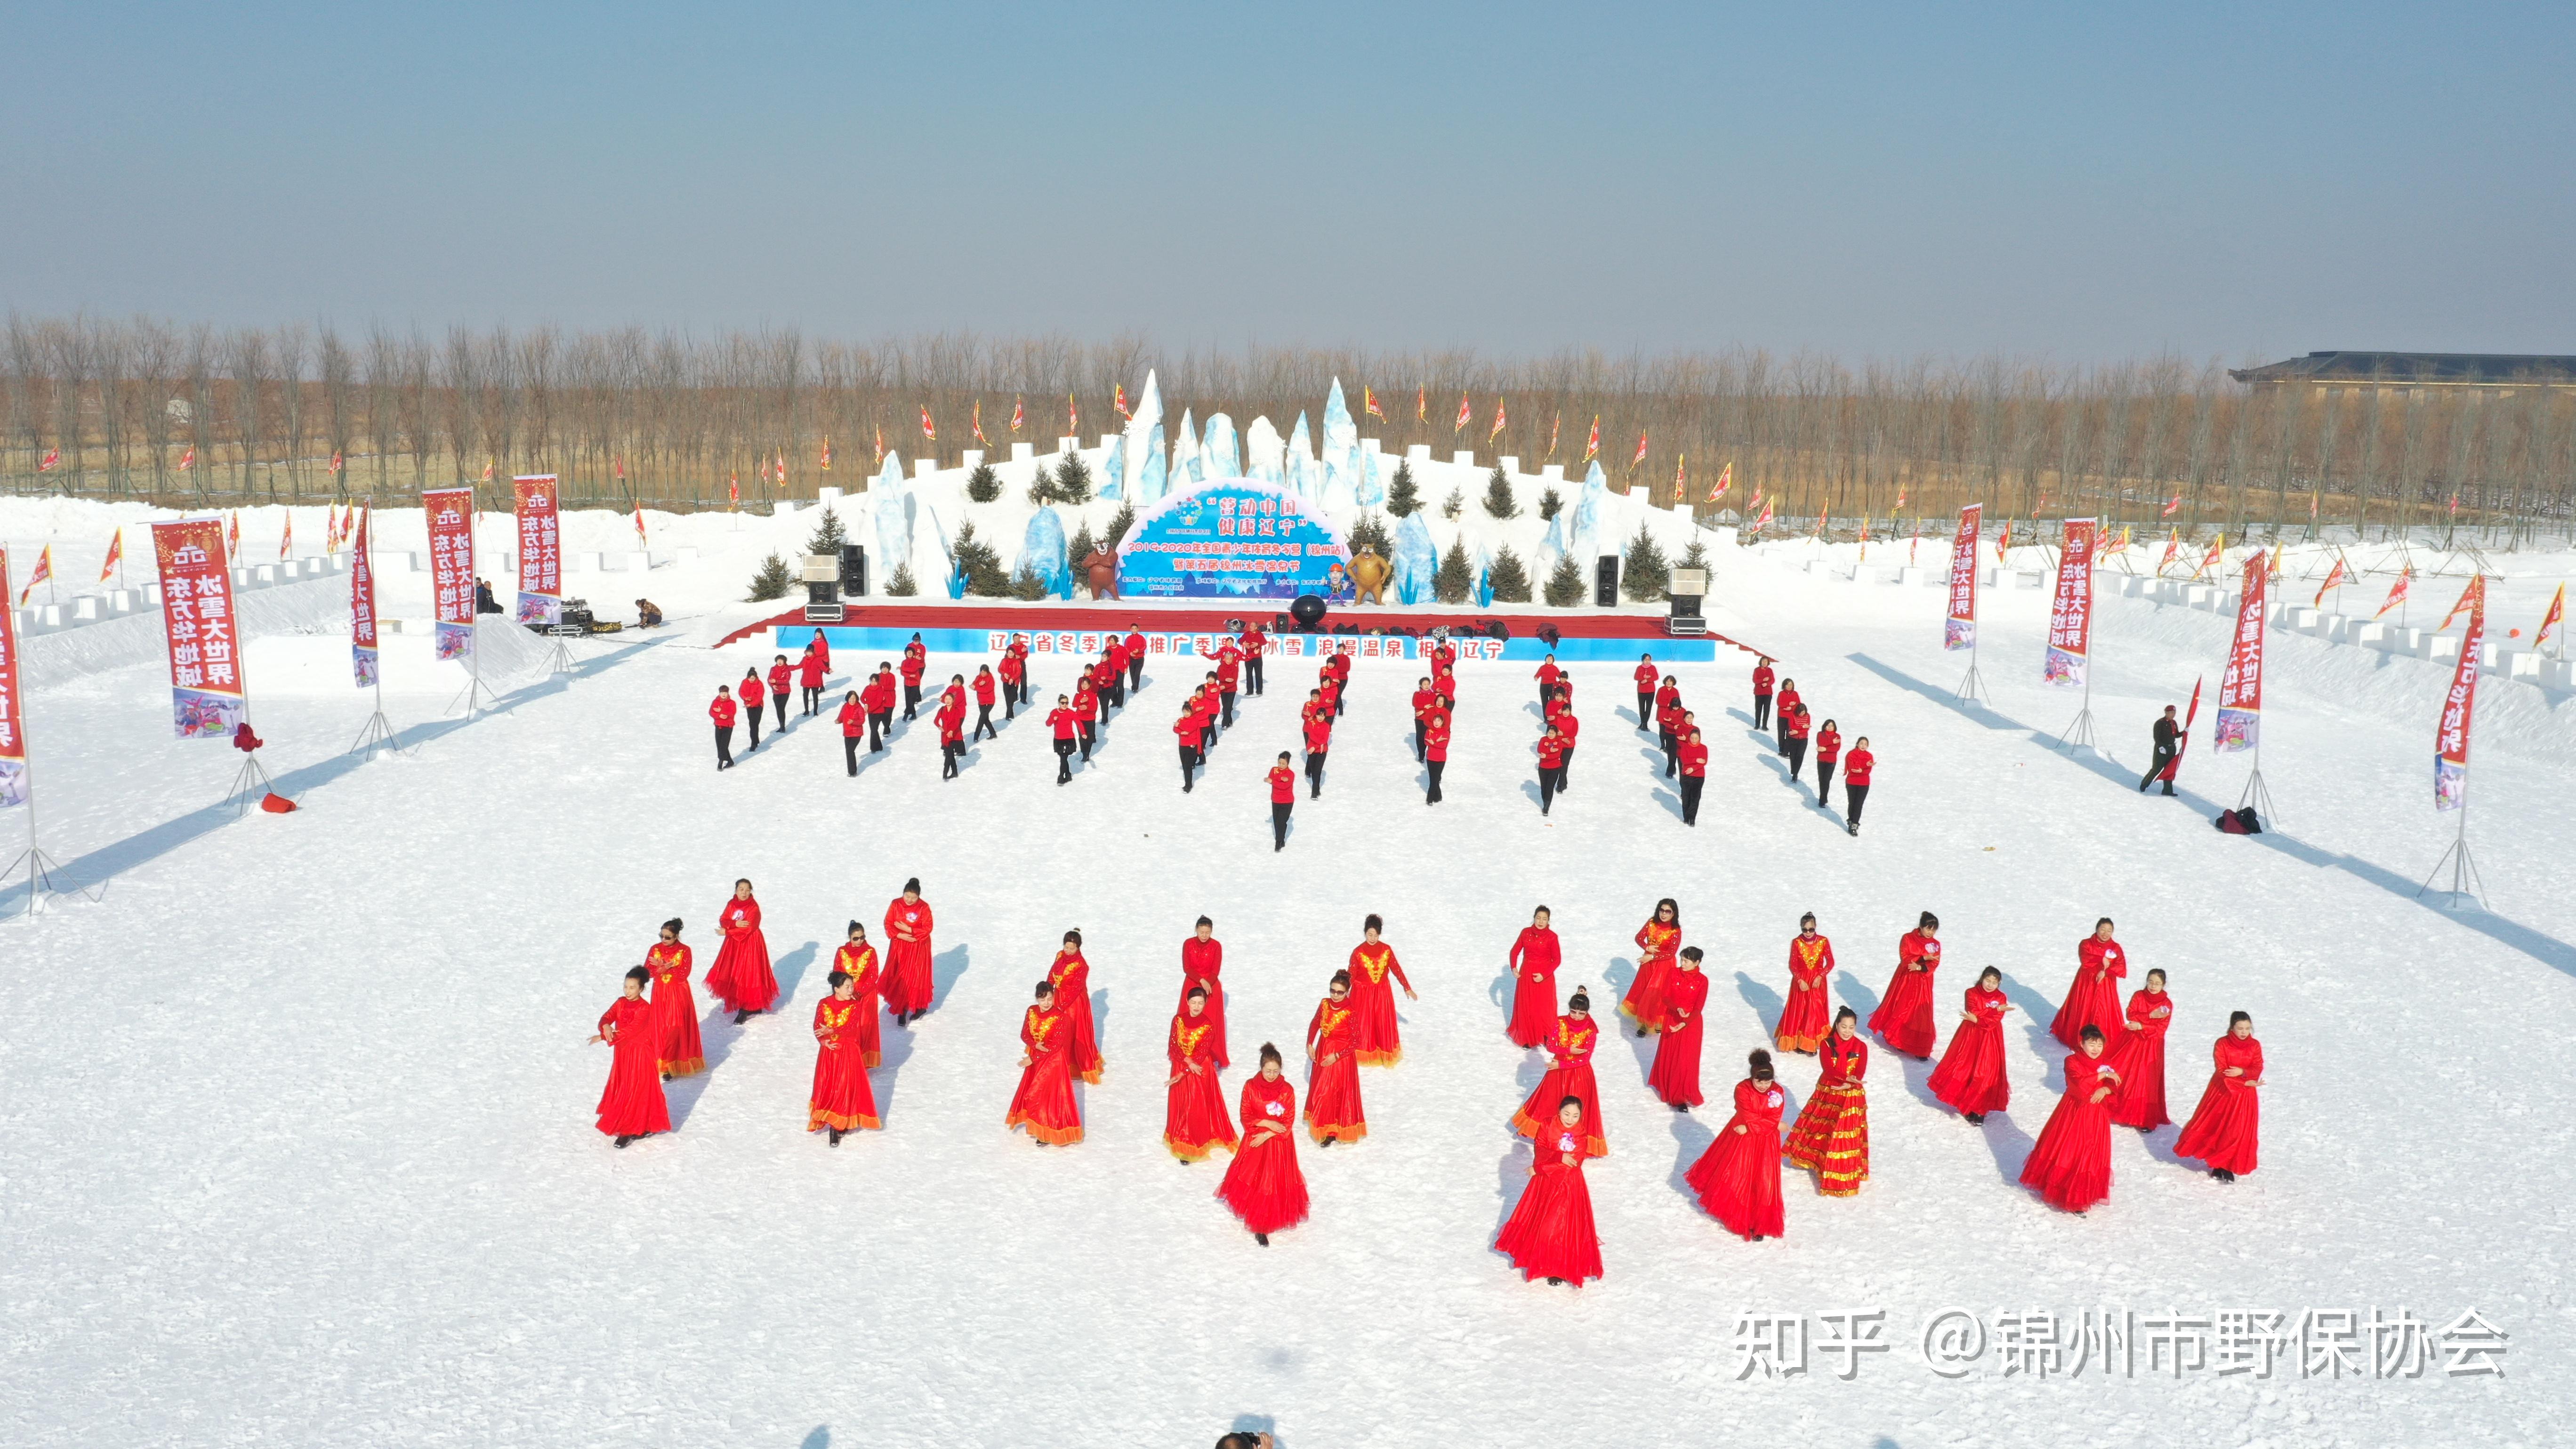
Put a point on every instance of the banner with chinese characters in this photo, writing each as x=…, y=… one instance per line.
x=197, y=618
x=2451, y=746
x=1961, y=632
x=1395, y=647
x=1233, y=538
x=362, y=605
x=450, y=512
x=13, y=722
x=2070, y=616
x=540, y=549
x=2240, y=689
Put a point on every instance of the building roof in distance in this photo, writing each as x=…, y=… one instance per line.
x=2458, y=369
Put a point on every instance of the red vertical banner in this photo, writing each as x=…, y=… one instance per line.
x=2070, y=615
x=1961, y=632
x=2240, y=689
x=2451, y=745
x=13, y=719
x=362, y=605
x=450, y=512
x=206, y=696
x=540, y=549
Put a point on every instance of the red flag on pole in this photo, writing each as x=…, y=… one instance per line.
x=1496, y=430
x=116, y=555
x=1072, y=416
x=1421, y=405
x=827, y=452
x=929, y=429
x=286, y=540
x=979, y=424
x=1118, y=400
x=2451, y=743
x=1368, y=404
x=2182, y=741
x=1466, y=415
x=2475, y=593
x=1764, y=521
x=335, y=462
x=733, y=490
x=2171, y=504
x=1641, y=449
x=2396, y=596
x=639, y=523
x=1019, y=412
x=188, y=459
x=2240, y=689
x=52, y=457
x=1960, y=632
x=1553, y=424
x=1592, y=446
x=44, y=570
x=2557, y=618
x=2334, y=579
x=1725, y=480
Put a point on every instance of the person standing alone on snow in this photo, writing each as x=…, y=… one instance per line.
x=722, y=712
x=2168, y=741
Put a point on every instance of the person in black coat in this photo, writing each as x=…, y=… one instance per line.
x=2168, y=740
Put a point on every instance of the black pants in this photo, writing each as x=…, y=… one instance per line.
x=1279, y=823
x=1853, y=795
x=879, y=722
x=1189, y=766
x=1434, y=767
x=1063, y=761
x=813, y=698
x=1691, y=786
x=1550, y=780
x=1314, y=773
x=778, y=710
x=1225, y=700
x=1084, y=728
x=1824, y=778
x=2163, y=758
x=1565, y=766
x=984, y=723
x=911, y=699
x=949, y=753
x=1252, y=672
x=1761, y=711
x=752, y=713
x=1797, y=750
x=1341, y=694
x=1645, y=711
x=724, y=747
x=850, y=752
x=1010, y=701
x=1207, y=739
x=1419, y=730
x=1672, y=751
x=1136, y=673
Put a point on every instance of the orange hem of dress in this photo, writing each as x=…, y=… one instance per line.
x=1380, y=1059
x=816, y=1119
x=689, y=1068
x=1198, y=1152
x=1351, y=1132
x=1052, y=1136
x=1788, y=1043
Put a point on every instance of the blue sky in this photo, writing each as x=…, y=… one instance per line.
x=2077, y=181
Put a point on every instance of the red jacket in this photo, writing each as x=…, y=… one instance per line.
x=1062, y=720
x=1788, y=697
x=1253, y=639
x=722, y=711
x=1793, y=724
x=1856, y=767
x=1668, y=697
x=1189, y=728
x=1340, y=665
x=1435, y=742
x=1694, y=760
x=1135, y=646
x=984, y=687
x=1012, y=670
x=1762, y=677
x=1568, y=726
x=879, y=694
x=913, y=665
x=1319, y=736
x=853, y=718
x=1645, y=674
x=1829, y=745
x=809, y=672
x=1283, y=784
x=1422, y=703
x=1547, y=675
x=1085, y=707
x=1551, y=751
x=748, y=692
x=1228, y=674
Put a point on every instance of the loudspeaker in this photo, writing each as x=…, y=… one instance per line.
x=1605, y=582
x=854, y=571
x=1308, y=611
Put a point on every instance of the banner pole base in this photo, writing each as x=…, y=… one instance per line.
x=2464, y=876
x=1972, y=689
x=2079, y=735
x=2258, y=797
x=560, y=661
x=474, y=697
x=250, y=783
x=378, y=735
x=40, y=869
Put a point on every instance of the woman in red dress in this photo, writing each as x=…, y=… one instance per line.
x=1572, y=1045
x=1071, y=974
x=1971, y=1077
x=1831, y=1138
x=2140, y=1102
x=908, y=983
x=1373, y=1027
x=1536, y=954
x=1045, y=1105
x=1194, y=1120
x=858, y=960
x=1675, y=1077
x=1333, y=1077
x=682, y=1054
x=2093, y=997
x=842, y=1099
x=632, y=1105
x=1262, y=1185
x=1803, y=1016
x=1738, y=1177
x=2071, y=1163
x=2225, y=1127
x=1656, y=942
x=1550, y=1234
x=1904, y=1016
x=740, y=978
x=1202, y=961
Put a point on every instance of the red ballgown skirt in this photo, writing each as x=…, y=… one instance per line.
x=1568, y=1079
x=1214, y=1015
x=907, y=976
x=842, y=1095
x=2093, y=1001
x=1675, y=1077
x=676, y=1007
x=1644, y=1003
x=1831, y=1139
x=2224, y=1128
x=1533, y=1009
x=1087, y=1062
x=2071, y=1165
x=741, y=978
x=1195, y=1122
x=1904, y=1016
x=1550, y=1234
x=1738, y=1178
x=1804, y=1019
x=1263, y=1186
x=1333, y=1101
x=1374, y=1036
x=1971, y=1078
x=632, y=1104
x=871, y=1042
x=2140, y=1101
x=1045, y=1104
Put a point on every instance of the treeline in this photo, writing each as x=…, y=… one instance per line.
x=197, y=416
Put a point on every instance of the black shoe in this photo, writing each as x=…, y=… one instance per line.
x=2169, y=789
x=622, y=1141
x=1976, y=1119
x=1641, y=1031
x=2142, y=787
x=2145, y=1131
x=2222, y=1174
x=666, y=1076
x=1556, y=1282
x=836, y=1136
x=740, y=1017
x=1678, y=1107
x=1851, y=829
x=1262, y=1238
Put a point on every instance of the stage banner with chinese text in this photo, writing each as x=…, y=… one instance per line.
x=1233, y=538
x=540, y=549
x=2240, y=689
x=197, y=618
x=362, y=605
x=2070, y=615
x=2451, y=746
x=13, y=720
x=450, y=512
x=1961, y=632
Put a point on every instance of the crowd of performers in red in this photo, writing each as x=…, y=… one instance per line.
x=2114, y=1072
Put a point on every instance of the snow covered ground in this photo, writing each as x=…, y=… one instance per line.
x=296, y=1148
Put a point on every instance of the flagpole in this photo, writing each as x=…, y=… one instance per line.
x=2464, y=870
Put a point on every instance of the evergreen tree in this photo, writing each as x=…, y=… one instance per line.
x=982, y=565
x=828, y=536
x=1371, y=530
x=1457, y=577
x=1695, y=556
x=1400, y=496
x=1646, y=576
x=1498, y=496
x=1078, y=550
x=774, y=579
x=1042, y=486
x=1027, y=586
x=1455, y=503
x=983, y=485
x=1549, y=505
x=1073, y=479
x=1119, y=522
x=900, y=584
x=1510, y=578
x=1564, y=584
